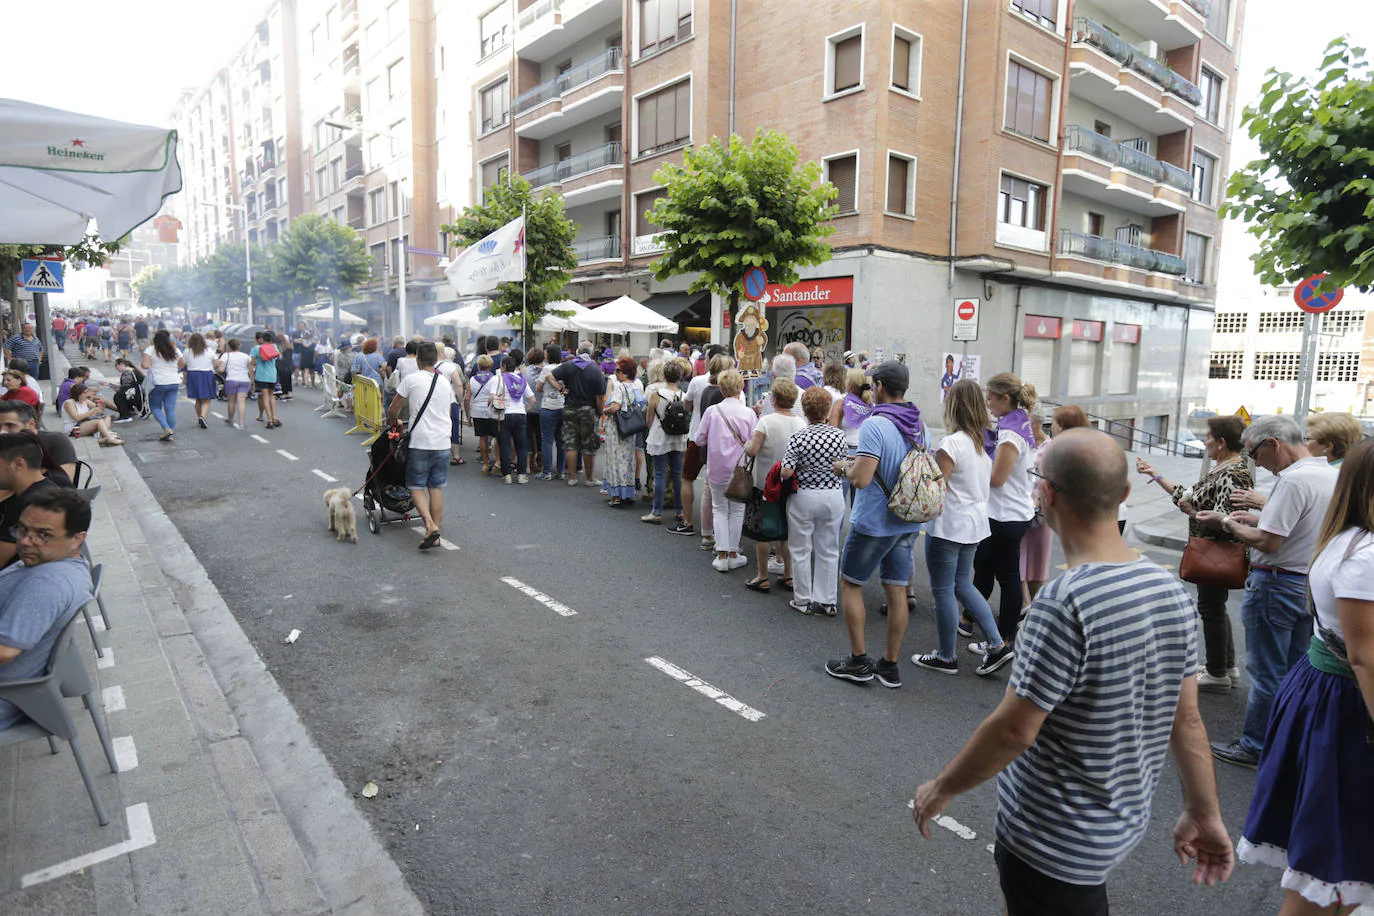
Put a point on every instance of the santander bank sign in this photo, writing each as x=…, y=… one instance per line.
x=833, y=291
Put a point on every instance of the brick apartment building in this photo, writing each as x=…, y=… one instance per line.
x=1091, y=140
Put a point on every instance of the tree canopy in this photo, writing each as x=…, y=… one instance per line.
x=549, y=258
x=732, y=206
x=317, y=252
x=1310, y=199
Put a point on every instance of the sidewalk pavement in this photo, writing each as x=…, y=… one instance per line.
x=223, y=803
x=1154, y=519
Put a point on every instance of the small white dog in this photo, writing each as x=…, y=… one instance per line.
x=342, y=519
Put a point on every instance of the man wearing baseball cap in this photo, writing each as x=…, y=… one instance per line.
x=878, y=540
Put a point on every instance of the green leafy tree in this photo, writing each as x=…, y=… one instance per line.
x=151, y=289
x=224, y=276
x=92, y=252
x=1310, y=199
x=732, y=206
x=549, y=258
x=315, y=252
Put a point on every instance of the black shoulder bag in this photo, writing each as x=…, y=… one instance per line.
x=402, y=450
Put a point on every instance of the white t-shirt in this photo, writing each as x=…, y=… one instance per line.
x=517, y=405
x=553, y=398
x=408, y=364
x=31, y=383
x=964, y=519
x=656, y=441
x=235, y=366
x=695, y=388
x=1011, y=502
x=435, y=426
x=480, y=395
x=162, y=371
x=1340, y=572
x=1295, y=510
x=777, y=429
x=205, y=362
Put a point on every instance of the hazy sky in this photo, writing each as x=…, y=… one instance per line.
x=128, y=59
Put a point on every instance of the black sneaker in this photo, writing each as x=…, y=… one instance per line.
x=933, y=662
x=997, y=658
x=887, y=673
x=680, y=527
x=965, y=629
x=1235, y=753
x=856, y=668
x=200, y=421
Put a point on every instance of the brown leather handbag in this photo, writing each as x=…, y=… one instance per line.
x=1218, y=564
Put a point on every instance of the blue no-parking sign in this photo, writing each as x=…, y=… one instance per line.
x=1309, y=300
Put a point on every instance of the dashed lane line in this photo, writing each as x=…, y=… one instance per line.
x=255, y=437
x=217, y=415
x=557, y=607
x=443, y=542
x=950, y=824
x=126, y=755
x=287, y=455
x=113, y=698
x=720, y=696
x=323, y=476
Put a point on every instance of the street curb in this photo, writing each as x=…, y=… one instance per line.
x=353, y=871
x=1170, y=540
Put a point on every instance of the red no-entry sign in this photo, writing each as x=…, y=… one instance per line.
x=965, y=319
x=1309, y=300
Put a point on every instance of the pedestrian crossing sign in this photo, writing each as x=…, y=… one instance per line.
x=1244, y=415
x=42, y=276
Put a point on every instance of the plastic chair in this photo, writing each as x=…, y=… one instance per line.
x=43, y=701
x=83, y=476
x=97, y=576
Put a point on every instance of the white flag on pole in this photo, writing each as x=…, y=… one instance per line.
x=498, y=258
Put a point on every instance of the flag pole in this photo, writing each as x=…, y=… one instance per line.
x=525, y=279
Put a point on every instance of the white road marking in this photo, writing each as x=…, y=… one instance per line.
x=992, y=849
x=443, y=542
x=107, y=661
x=258, y=438
x=358, y=497
x=126, y=755
x=113, y=698
x=140, y=836
x=217, y=415
x=558, y=608
x=287, y=455
x=323, y=476
x=705, y=689
x=98, y=621
x=950, y=824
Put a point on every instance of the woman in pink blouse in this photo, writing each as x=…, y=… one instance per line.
x=724, y=430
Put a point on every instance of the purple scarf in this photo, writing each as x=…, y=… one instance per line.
x=809, y=374
x=906, y=417
x=515, y=385
x=481, y=377
x=582, y=360
x=1018, y=421
x=856, y=410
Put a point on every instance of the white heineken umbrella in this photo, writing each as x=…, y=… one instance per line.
x=60, y=170
x=621, y=316
x=327, y=314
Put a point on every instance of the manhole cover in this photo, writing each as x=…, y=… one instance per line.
x=185, y=454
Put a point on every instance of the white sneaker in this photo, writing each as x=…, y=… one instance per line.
x=721, y=564
x=572, y=481
x=1213, y=684
x=523, y=478
x=1233, y=673
x=776, y=567
x=978, y=648
x=738, y=561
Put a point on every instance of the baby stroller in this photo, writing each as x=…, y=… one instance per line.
x=385, y=488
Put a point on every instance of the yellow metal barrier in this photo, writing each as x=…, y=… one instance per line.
x=367, y=408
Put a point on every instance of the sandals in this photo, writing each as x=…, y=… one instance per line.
x=760, y=584
x=786, y=583
x=431, y=540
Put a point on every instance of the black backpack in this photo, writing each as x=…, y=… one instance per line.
x=676, y=421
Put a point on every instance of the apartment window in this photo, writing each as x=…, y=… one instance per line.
x=844, y=59
x=843, y=173
x=1338, y=367
x=1231, y=323
x=281, y=190
x=1029, y=97
x=1219, y=19
x=1277, y=367
x=375, y=152
x=1346, y=322
x=1280, y=322
x=1226, y=365
x=665, y=118
x=494, y=28
x=1045, y=12
x=395, y=19
x=493, y=173
x=1022, y=203
x=376, y=202
x=1213, y=91
x=396, y=79
x=315, y=40
x=643, y=204
x=338, y=216
x=321, y=185
x=372, y=36
x=374, y=94
x=1095, y=223
x=495, y=106
x=901, y=184
x=1204, y=176
x=662, y=23
x=395, y=140
x=378, y=252
x=1195, y=249
x=906, y=61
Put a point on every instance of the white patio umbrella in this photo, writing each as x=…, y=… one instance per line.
x=327, y=314
x=59, y=170
x=623, y=316
x=473, y=317
x=554, y=322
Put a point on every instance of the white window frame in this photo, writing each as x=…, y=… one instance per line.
x=1013, y=229
x=910, y=184
x=859, y=29
x=1207, y=252
x=858, y=171
x=1211, y=202
x=691, y=112
x=917, y=43
x=1221, y=107
x=481, y=167
x=391, y=93
x=1050, y=75
x=506, y=29
x=637, y=33
x=510, y=107
x=1056, y=29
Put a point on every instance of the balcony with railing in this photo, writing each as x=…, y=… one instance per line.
x=547, y=27
x=588, y=90
x=1116, y=262
x=1122, y=175
x=1111, y=72
x=572, y=172
x=351, y=63
x=606, y=248
x=1168, y=23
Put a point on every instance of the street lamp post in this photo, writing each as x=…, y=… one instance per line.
x=247, y=254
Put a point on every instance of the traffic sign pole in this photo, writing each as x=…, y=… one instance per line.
x=1307, y=366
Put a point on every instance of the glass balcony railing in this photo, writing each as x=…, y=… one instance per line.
x=1203, y=7
x=555, y=172
x=1079, y=139
x=538, y=11
x=599, y=249
x=1142, y=164
x=585, y=72
x=1113, y=252
x=1177, y=178
x=1089, y=32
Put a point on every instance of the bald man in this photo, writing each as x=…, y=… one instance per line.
x=1106, y=659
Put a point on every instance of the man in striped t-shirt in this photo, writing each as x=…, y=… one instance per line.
x=1105, y=679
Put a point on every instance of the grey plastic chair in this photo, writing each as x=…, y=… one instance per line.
x=90, y=495
x=43, y=700
x=97, y=576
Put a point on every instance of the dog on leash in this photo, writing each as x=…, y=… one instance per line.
x=343, y=521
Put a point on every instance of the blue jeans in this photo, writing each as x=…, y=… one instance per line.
x=427, y=469
x=511, y=440
x=888, y=555
x=1277, y=632
x=551, y=434
x=667, y=466
x=163, y=401
x=950, y=565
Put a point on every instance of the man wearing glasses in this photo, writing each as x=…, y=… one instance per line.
x=1282, y=538
x=40, y=593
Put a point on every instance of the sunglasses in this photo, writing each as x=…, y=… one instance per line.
x=1036, y=474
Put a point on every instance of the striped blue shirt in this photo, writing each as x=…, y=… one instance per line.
x=1104, y=651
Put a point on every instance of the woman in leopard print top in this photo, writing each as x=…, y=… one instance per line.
x=1230, y=472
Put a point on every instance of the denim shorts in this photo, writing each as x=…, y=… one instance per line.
x=890, y=555
x=427, y=468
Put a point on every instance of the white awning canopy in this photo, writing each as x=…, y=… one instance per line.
x=623, y=316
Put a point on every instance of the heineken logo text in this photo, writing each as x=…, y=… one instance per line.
x=74, y=153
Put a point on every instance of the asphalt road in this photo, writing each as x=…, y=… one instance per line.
x=535, y=762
